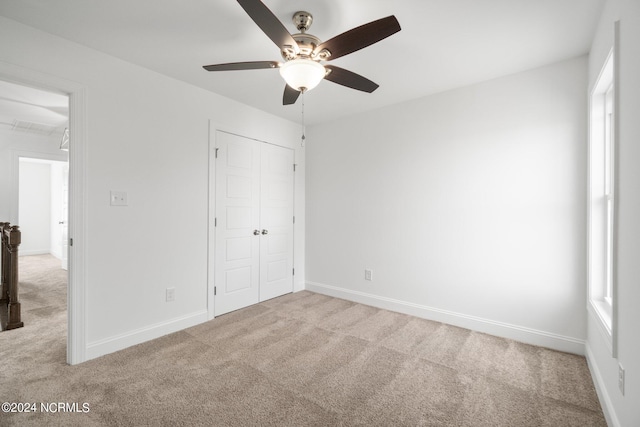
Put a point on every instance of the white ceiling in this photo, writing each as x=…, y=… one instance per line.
x=25, y=109
x=443, y=44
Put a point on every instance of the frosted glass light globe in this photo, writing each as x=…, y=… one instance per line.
x=302, y=74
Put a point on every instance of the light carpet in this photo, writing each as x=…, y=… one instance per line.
x=303, y=359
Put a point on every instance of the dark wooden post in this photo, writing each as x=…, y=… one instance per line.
x=4, y=278
x=14, y=237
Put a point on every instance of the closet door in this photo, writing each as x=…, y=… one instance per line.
x=237, y=234
x=253, y=223
x=276, y=221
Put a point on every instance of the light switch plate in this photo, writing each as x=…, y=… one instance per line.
x=118, y=198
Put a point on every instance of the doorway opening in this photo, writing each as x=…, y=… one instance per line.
x=43, y=206
x=77, y=155
x=35, y=196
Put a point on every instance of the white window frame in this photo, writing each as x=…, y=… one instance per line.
x=602, y=209
x=609, y=192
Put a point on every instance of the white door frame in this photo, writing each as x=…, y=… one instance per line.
x=76, y=295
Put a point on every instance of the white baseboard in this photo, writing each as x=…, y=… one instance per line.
x=33, y=252
x=119, y=342
x=299, y=286
x=505, y=330
x=603, y=395
x=57, y=254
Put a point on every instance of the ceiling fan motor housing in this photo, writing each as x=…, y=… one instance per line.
x=306, y=42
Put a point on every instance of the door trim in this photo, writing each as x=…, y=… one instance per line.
x=211, y=230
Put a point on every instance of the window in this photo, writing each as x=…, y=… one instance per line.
x=602, y=200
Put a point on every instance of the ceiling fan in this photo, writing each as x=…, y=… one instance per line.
x=303, y=52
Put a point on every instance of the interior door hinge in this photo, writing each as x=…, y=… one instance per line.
x=217, y=152
x=294, y=219
x=294, y=167
x=70, y=242
x=215, y=222
x=214, y=291
x=294, y=271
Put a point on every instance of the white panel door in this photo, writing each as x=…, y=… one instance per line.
x=276, y=221
x=254, y=222
x=237, y=238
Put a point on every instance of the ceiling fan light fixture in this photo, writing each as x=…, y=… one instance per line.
x=302, y=74
x=64, y=142
x=304, y=52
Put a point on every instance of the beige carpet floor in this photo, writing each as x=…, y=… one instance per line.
x=304, y=359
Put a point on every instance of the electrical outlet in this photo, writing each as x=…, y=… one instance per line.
x=118, y=198
x=621, y=378
x=171, y=294
x=368, y=275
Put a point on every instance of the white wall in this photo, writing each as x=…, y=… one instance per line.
x=35, y=207
x=14, y=145
x=147, y=134
x=468, y=206
x=622, y=410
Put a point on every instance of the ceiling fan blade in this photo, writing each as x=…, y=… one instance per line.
x=359, y=37
x=234, y=66
x=267, y=21
x=290, y=95
x=349, y=79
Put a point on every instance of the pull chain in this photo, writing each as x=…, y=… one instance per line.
x=303, y=125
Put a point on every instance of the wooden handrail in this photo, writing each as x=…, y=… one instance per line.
x=11, y=239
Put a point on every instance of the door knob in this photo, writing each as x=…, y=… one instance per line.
x=265, y=232
x=256, y=232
